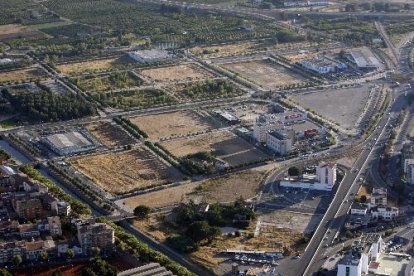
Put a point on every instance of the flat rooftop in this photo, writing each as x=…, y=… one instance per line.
x=68, y=139
x=364, y=57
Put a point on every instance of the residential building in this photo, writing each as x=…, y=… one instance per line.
x=9, y=228
x=92, y=234
x=365, y=252
x=54, y=226
x=10, y=249
x=326, y=174
x=385, y=213
x=264, y=125
x=359, y=209
x=378, y=197
x=34, y=248
x=280, y=142
x=29, y=208
x=409, y=170
x=28, y=230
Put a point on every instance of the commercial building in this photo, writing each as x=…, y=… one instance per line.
x=362, y=256
x=292, y=117
x=69, y=142
x=323, y=65
x=92, y=234
x=152, y=55
x=364, y=58
x=323, y=180
x=280, y=142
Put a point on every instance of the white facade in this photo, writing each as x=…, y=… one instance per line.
x=150, y=55
x=326, y=174
x=261, y=130
x=350, y=269
x=279, y=142
x=359, y=209
x=385, y=213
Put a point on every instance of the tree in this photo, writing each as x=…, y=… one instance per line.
x=142, y=211
x=363, y=198
x=43, y=255
x=5, y=272
x=17, y=259
x=70, y=254
x=95, y=251
x=293, y=171
x=201, y=230
x=101, y=268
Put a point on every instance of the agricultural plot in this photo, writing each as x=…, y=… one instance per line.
x=109, y=134
x=126, y=171
x=22, y=75
x=326, y=103
x=13, y=31
x=223, y=50
x=182, y=72
x=172, y=124
x=55, y=87
x=266, y=74
x=131, y=99
x=106, y=82
x=77, y=68
x=224, y=144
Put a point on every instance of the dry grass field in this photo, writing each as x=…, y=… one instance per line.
x=13, y=31
x=223, y=50
x=173, y=124
x=226, y=145
x=265, y=73
x=109, y=134
x=77, y=68
x=32, y=74
x=107, y=82
x=187, y=72
x=125, y=171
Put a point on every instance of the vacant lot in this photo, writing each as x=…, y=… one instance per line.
x=265, y=73
x=224, y=144
x=106, y=82
x=180, y=72
x=343, y=106
x=27, y=74
x=77, y=68
x=173, y=124
x=13, y=31
x=109, y=134
x=223, y=50
x=162, y=198
x=299, y=223
x=125, y=171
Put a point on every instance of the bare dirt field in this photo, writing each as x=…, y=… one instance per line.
x=223, y=50
x=352, y=103
x=187, y=72
x=125, y=171
x=265, y=73
x=109, y=134
x=299, y=223
x=77, y=68
x=226, y=145
x=32, y=73
x=12, y=31
x=220, y=189
x=173, y=124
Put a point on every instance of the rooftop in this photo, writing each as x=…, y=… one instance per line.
x=364, y=57
x=68, y=140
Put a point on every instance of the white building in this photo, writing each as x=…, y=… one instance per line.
x=364, y=58
x=385, y=213
x=409, y=170
x=323, y=180
x=359, y=209
x=323, y=65
x=292, y=117
x=150, y=55
x=279, y=142
x=357, y=261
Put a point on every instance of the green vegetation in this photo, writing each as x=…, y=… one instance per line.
x=134, y=99
x=142, y=211
x=46, y=106
x=77, y=207
x=100, y=267
x=4, y=155
x=131, y=128
x=115, y=81
x=182, y=243
x=20, y=11
x=210, y=89
x=160, y=23
x=146, y=254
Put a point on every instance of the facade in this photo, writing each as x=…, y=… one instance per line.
x=378, y=197
x=279, y=142
x=326, y=174
x=95, y=235
x=150, y=55
x=360, y=258
x=385, y=213
x=260, y=130
x=409, y=170
x=30, y=208
x=359, y=209
x=69, y=142
x=364, y=58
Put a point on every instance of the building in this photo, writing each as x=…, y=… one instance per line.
x=378, y=197
x=384, y=213
x=148, y=269
x=280, y=142
x=364, y=58
x=28, y=230
x=364, y=252
x=54, y=226
x=323, y=65
x=69, y=142
x=10, y=249
x=227, y=117
x=265, y=124
x=359, y=209
x=152, y=55
x=323, y=180
x=34, y=248
x=301, y=4
x=326, y=174
x=92, y=234
x=409, y=170
x=306, y=129
x=29, y=208
x=292, y=117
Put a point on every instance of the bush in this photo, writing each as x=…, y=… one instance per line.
x=182, y=243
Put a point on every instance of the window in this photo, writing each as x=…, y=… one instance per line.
x=347, y=271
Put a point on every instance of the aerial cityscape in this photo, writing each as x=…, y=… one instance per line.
x=206, y=137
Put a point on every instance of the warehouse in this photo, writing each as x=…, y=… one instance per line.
x=69, y=142
x=364, y=58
